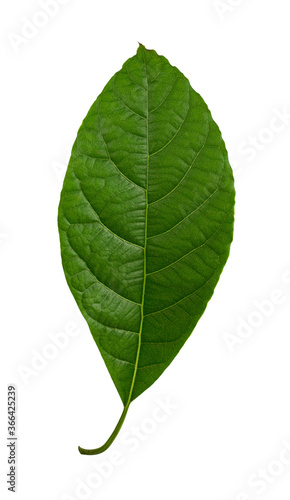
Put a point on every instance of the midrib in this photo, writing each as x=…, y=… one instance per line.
x=126, y=407
x=145, y=247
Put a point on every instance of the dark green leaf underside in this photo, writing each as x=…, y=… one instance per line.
x=145, y=218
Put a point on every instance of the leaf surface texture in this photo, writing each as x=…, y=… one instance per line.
x=145, y=218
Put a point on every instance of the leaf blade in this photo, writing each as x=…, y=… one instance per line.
x=145, y=218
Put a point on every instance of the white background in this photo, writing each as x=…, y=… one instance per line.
x=226, y=439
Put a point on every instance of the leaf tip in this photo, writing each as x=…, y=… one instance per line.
x=141, y=47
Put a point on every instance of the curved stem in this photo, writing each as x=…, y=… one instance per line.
x=109, y=441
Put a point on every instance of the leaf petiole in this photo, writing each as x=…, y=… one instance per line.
x=112, y=438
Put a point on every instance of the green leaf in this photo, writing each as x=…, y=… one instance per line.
x=145, y=219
